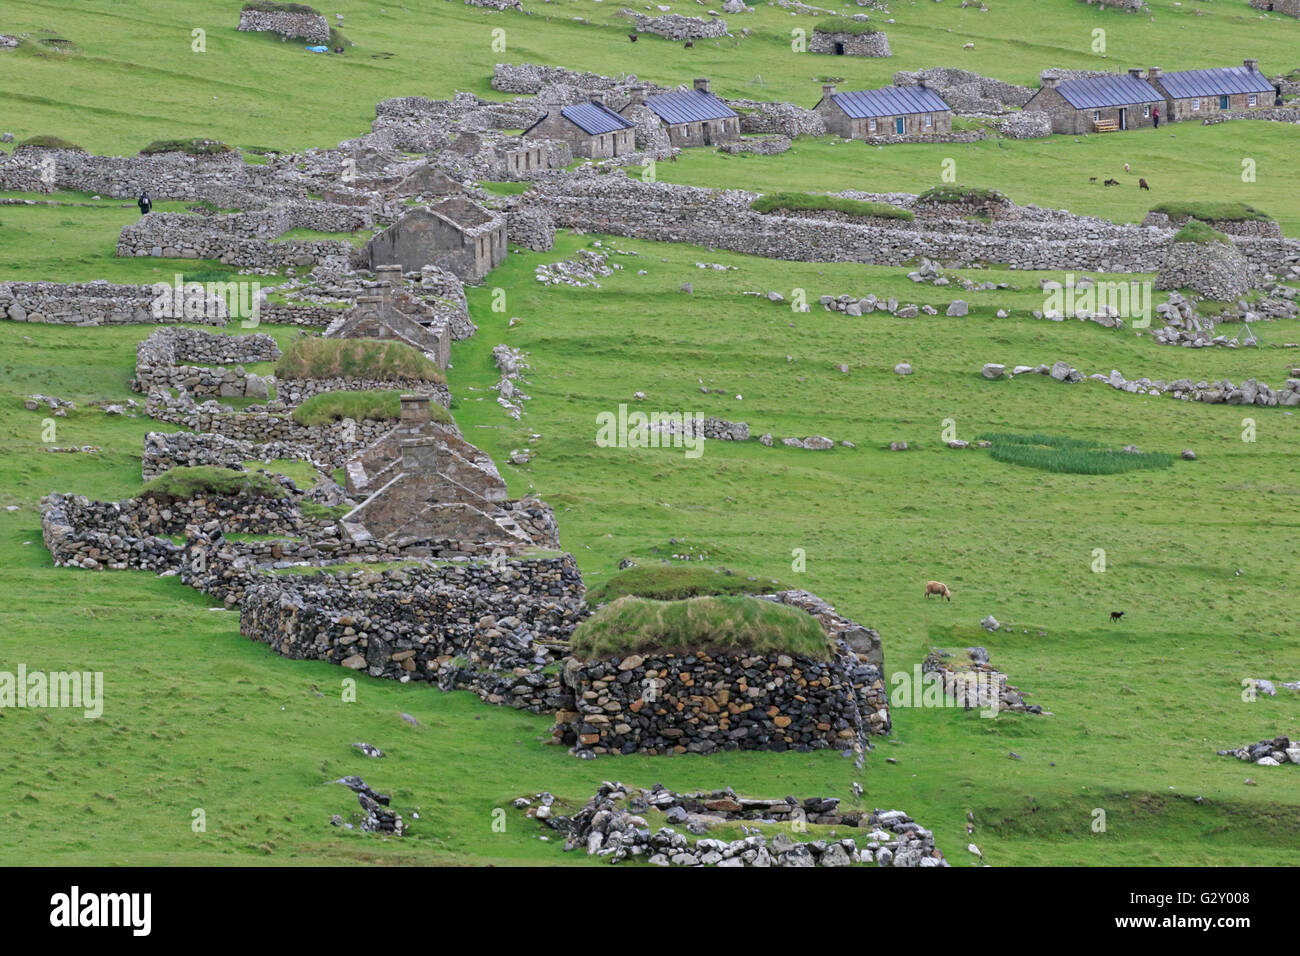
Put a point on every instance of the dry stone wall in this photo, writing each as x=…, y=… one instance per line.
x=290, y=24
x=99, y=303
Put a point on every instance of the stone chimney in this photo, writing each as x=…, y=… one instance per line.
x=702, y=84
x=415, y=410
x=1153, y=73
x=391, y=277
x=828, y=89
x=1048, y=81
x=1252, y=65
x=420, y=456
x=1135, y=72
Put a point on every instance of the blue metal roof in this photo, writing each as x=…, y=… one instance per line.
x=1119, y=90
x=889, y=101
x=691, y=106
x=595, y=118
x=1215, y=82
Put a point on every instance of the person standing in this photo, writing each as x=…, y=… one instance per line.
x=1155, y=116
x=144, y=202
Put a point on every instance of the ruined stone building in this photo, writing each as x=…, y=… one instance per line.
x=913, y=111
x=591, y=129
x=826, y=39
x=391, y=312
x=425, y=483
x=456, y=234
x=693, y=117
x=1195, y=94
x=1290, y=7
x=1097, y=104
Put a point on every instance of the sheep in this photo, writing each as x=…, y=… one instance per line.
x=1142, y=184
x=1115, y=616
x=1111, y=182
x=937, y=587
x=1126, y=169
x=968, y=46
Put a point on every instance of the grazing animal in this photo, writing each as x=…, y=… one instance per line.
x=968, y=46
x=690, y=44
x=1142, y=184
x=1111, y=182
x=1115, y=616
x=1126, y=167
x=939, y=588
x=1092, y=179
x=632, y=37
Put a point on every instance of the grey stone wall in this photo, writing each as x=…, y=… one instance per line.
x=100, y=303
x=312, y=27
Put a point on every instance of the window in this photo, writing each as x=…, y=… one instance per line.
x=1096, y=115
x=871, y=125
x=1146, y=111
x=1252, y=100
x=929, y=120
x=1196, y=104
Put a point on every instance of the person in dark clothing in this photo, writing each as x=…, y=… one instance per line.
x=1155, y=116
x=145, y=203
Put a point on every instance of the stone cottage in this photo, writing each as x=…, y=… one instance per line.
x=1097, y=104
x=591, y=129
x=1195, y=94
x=427, y=484
x=826, y=39
x=693, y=117
x=911, y=111
x=456, y=234
x=390, y=312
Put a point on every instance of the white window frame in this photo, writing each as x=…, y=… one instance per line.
x=1146, y=111
x=871, y=125
x=1251, y=100
x=929, y=120
x=1096, y=116
x=1196, y=104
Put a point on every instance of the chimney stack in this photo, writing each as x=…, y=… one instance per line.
x=828, y=89
x=415, y=410
x=1048, y=81
x=1135, y=72
x=702, y=84
x=1252, y=65
x=1153, y=73
x=420, y=456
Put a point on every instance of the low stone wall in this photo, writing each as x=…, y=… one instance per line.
x=182, y=236
x=1037, y=239
x=965, y=91
x=99, y=303
x=332, y=443
x=307, y=316
x=677, y=27
x=621, y=823
x=1290, y=7
x=1224, y=392
x=1267, y=753
x=158, y=361
x=79, y=532
x=164, y=451
x=760, y=145
x=492, y=628
x=312, y=27
x=295, y=391
x=530, y=78
x=1275, y=114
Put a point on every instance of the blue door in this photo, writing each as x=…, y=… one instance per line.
x=898, y=126
x=1223, y=102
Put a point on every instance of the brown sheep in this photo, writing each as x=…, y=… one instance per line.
x=937, y=587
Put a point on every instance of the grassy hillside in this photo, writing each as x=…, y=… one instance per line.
x=1199, y=555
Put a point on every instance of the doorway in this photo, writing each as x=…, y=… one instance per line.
x=1123, y=118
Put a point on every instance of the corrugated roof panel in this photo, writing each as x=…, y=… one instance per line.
x=595, y=118
x=889, y=101
x=1120, y=90
x=1215, y=82
x=690, y=106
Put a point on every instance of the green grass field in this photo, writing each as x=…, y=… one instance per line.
x=1199, y=555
